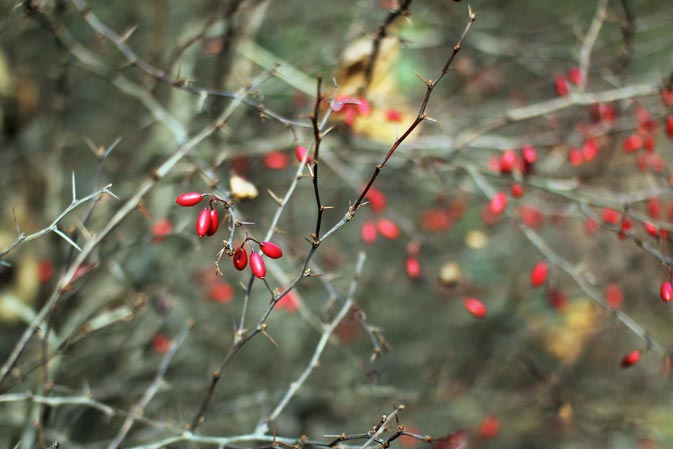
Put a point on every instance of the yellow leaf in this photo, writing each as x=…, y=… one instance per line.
x=241, y=188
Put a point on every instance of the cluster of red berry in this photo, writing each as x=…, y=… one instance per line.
x=208, y=220
x=207, y=223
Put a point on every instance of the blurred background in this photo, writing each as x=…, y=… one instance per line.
x=574, y=80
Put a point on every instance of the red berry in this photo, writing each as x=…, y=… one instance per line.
x=538, y=274
x=161, y=343
x=203, y=223
x=388, y=228
x=413, y=267
x=220, y=291
x=589, y=150
x=517, y=190
x=529, y=155
x=666, y=291
x=377, y=200
x=590, y=226
x=393, y=115
x=271, y=249
x=575, y=76
x=45, y=270
x=561, y=84
x=475, y=307
x=368, y=232
x=498, y=203
x=531, y=216
x=575, y=157
x=288, y=302
x=436, y=220
x=489, y=427
x=610, y=216
x=614, y=296
x=257, y=265
x=507, y=161
x=654, y=208
x=632, y=143
x=161, y=228
x=189, y=199
x=301, y=153
x=557, y=299
x=276, y=160
x=240, y=258
x=651, y=229
x=214, y=222
x=631, y=358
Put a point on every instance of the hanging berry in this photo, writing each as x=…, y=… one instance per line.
x=271, y=250
x=189, y=199
x=257, y=265
x=203, y=223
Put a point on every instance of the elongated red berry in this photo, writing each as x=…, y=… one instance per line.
x=561, y=84
x=489, y=427
x=301, y=153
x=498, y=203
x=538, y=275
x=413, y=267
x=529, y=156
x=214, y=222
x=666, y=291
x=631, y=358
x=368, y=232
x=476, y=308
x=575, y=76
x=203, y=223
x=669, y=126
x=271, y=249
x=257, y=265
x=651, y=229
x=614, y=296
x=388, y=228
x=632, y=143
x=610, y=216
x=240, y=258
x=189, y=199
x=507, y=161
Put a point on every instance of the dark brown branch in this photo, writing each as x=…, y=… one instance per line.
x=382, y=33
x=317, y=137
x=430, y=86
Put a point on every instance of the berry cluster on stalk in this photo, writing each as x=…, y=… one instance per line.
x=207, y=223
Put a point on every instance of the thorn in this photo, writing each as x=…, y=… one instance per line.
x=127, y=34
x=430, y=119
x=275, y=197
x=426, y=82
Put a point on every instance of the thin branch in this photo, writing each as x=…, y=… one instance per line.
x=590, y=40
x=430, y=86
x=315, y=359
x=152, y=389
x=53, y=227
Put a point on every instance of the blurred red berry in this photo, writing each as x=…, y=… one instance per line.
x=611, y=216
x=368, y=232
x=538, y=275
x=393, y=115
x=489, y=427
x=377, y=200
x=575, y=157
x=476, y=308
x=589, y=150
x=301, y=153
x=651, y=229
x=631, y=358
x=632, y=143
x=161, y=343
x=575, y=76
x=666, y=291
x=388, y=228
x=45, y=271
x=562, y=87
x=413, y=267
x=288, y=302
x=276, y=160
x=614, y=296
x=507, y=161
x=517, y=190
x=220, y=291
x=161, y=228
x=498, y=203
